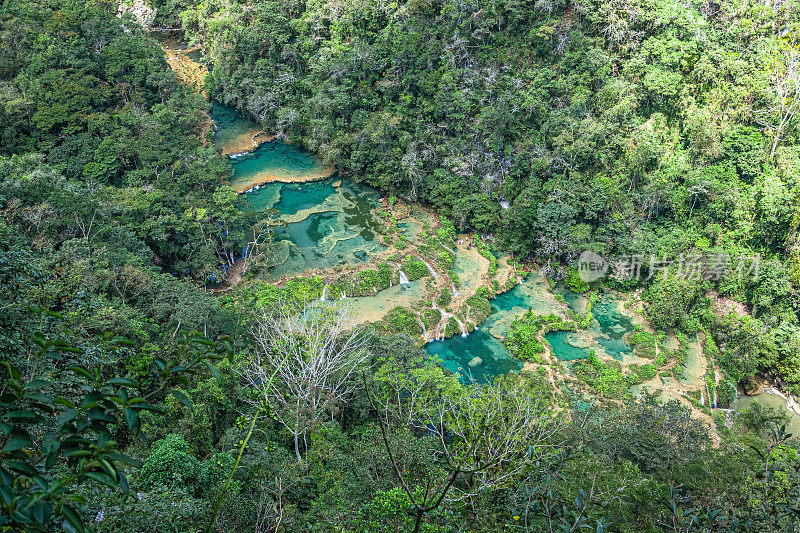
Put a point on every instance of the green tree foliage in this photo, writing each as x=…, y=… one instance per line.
x=61, y=433
x=547, y=128
x=170, y=463
x=610, y=131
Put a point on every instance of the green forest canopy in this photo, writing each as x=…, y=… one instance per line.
x=621, y=127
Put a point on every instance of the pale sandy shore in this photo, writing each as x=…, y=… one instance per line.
x=246, y=142
x=245, y=186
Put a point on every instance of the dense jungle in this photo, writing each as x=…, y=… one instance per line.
x=328, y=265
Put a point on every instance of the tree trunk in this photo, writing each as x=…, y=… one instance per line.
x=297, y=447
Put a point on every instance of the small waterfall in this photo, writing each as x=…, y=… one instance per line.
x=448, y=249
x=424, y=329
x=403, y=278
x=447, y=316
x=715, y=394
x=708, y=393
x=455, y=291
x=702, y=398
x=324, y=291
x=729, y=418
x=344, y=295
x=430, y=268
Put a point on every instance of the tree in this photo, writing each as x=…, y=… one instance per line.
x=314, y=355
x=485, y=436
x=783, y=92
x=57, y=434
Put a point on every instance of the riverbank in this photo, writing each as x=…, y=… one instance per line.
x=250, y=184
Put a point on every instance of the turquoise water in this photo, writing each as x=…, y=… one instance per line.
x=318, y=225
x=323, y=226
x=290, y=198
x=457, y=351
x=575, y=300
x=274, y=159
x=230, y=125
x=563, y=349
x=227, y=118
x=606, y=332
x=610, y=325
x=270, y=160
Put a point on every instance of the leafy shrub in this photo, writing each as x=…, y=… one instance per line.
x=414, y=269
x=487, y=253
x=523, y=340
x=446, y=260
x=454, y=279
x=373, y=280
x=574, y=282
x=452, y=328
x=479, y=306
x=400, y=319
x=445, y=297
x=607, y=379
x=432, y=318
x=644, y=372
x=644, y=343
x=446, y=231
x=170, y=464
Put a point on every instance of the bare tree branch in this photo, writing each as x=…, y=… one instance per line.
x=315, y=356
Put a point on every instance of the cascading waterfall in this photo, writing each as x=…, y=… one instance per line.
x=424, y=329
x=430, y=268
x=447, y=316
x=324, y=291
x=448, y=249
x=403, y=278
x=702, y=398
x=455, y=291
x=708, y=393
